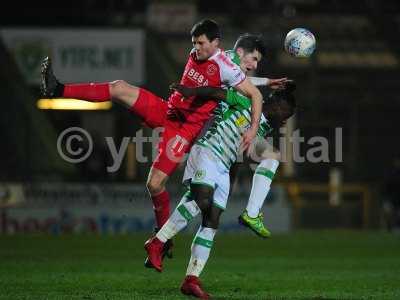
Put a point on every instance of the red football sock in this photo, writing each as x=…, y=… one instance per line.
x=161, y=208
x=93, y=92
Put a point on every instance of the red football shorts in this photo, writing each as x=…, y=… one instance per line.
x=177, y=136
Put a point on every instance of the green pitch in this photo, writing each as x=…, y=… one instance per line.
x=304, y=265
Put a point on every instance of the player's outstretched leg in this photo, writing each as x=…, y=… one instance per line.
x=117, y=91
x=262, y=178
x=52, y=88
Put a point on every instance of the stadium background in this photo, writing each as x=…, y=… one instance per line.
x=341, y=208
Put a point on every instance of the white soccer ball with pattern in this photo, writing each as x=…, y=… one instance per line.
x=300, y=42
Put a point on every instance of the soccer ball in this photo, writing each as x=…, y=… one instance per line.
x=300, y=42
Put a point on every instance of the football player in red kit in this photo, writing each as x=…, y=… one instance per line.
x=182, y=120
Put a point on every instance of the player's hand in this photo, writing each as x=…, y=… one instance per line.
x=185, y=91
x=278, y=84
x=247, y=139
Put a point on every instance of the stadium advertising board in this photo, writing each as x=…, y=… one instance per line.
x=58, y=208
x=79, y=55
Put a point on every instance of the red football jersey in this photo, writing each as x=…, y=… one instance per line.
x=217, y=71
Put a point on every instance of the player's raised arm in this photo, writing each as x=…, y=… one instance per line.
x=203, y=92
x=248, y=89
x=274, y=84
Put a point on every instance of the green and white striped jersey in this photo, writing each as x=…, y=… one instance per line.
x=233, y=56
x=224, y=135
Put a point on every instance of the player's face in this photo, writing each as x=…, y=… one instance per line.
x=204, y=47
x=248, y=60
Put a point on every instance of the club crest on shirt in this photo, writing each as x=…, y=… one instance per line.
x=241, y=122
x=211, y=70
x=200, y=174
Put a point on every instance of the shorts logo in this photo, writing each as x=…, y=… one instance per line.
x=200, y=174
x=211, y=70
x=179, y=144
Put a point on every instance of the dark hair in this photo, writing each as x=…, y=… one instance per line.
x=285, y=95
x=282, y=103
x=250, y=42
x=207, y=27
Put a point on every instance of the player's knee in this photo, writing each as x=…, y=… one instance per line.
x=123, y=93
x=203, y=201
x=203, y=196
x=204, y=204
x=117, y=88
x=155, y=185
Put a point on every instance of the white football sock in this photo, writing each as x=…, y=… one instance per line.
x=182, y=215
x=262, y=179
x=201, y=247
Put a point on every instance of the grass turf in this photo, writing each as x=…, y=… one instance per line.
x=303, y=265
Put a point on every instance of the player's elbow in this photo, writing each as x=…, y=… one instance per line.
x=256, y=95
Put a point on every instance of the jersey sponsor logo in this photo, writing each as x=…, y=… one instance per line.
x=211, y=70
x=197, y=77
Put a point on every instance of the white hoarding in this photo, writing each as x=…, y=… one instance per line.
x=58, y=208
x=79, y=55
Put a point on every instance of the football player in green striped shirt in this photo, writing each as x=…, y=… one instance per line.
x=207, y=173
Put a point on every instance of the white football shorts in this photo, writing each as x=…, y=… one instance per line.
x=203, y=167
